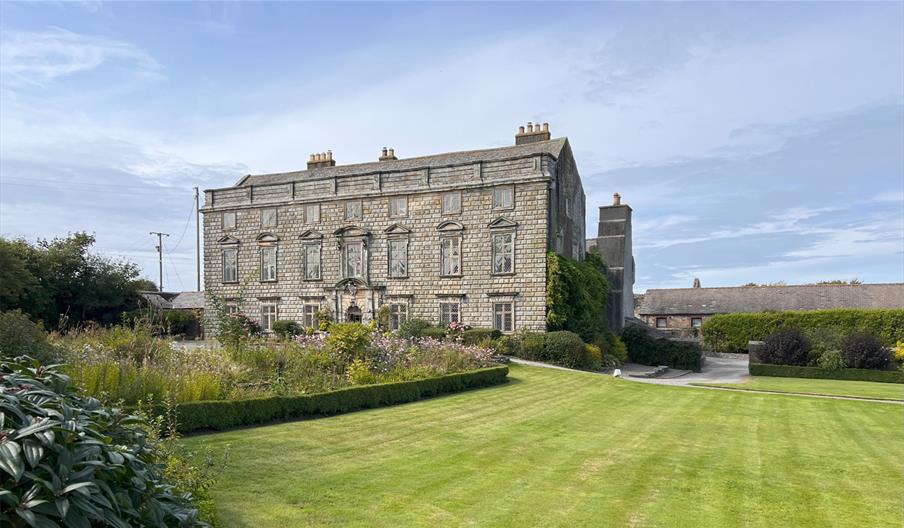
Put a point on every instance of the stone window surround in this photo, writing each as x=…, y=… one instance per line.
x=497, y=303
x=451, y=211
x=354, y=204
x=404, y=200
x=307, y=217
x=229, y=226
x=350, y=235
x=503, y=207
x=454, y=307
x=275, y=216
x=502, y=226
x=308, y=239
x=235, y=256
x=450, y=231
x=266, y=304
x=397, y=233
x=696, y=322
x=308, y=311
x=268, y=241
x=398, y=313
x=227, y=243
x=663, y=320
x=503, y=297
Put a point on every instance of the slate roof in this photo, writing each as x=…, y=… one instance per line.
x=704, y=301
x=174, y=300
x=553, y=147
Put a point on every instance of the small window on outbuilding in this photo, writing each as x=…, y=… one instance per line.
x=696, y=322
x=662, y=322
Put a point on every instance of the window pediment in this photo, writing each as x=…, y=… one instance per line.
x=351, y=231
x=449, y=225
x=311, y=234
x=502, y=223
x=265, y=239
x=397, y=229
x=228, y=241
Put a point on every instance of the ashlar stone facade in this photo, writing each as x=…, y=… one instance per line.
x=453, y=237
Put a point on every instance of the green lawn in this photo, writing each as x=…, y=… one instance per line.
x=558, y=448
x=859, y=389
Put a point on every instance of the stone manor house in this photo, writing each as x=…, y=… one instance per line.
x=456, y=237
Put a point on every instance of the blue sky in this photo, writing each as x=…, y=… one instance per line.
x=755, y=142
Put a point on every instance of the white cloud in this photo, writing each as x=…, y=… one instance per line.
x=36, y=57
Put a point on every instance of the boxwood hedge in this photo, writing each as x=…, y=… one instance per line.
x=788, y=371
x=731, y=332
x=222, y=414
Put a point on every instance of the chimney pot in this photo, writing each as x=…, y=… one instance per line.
x=616, y=199
x=311, y=159
x=392, y=153
x=329, y=154
x=696, y=282
x=520, y=130
x=385, y=150
x=545, y=127
x=530, y=127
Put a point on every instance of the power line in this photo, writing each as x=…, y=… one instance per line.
x=184, y=229
x=160, y=253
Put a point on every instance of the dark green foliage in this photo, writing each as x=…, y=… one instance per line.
x=862, y=350
x=790, y=371
x=413, y=328
x=205, y=415
x=610, y=345
x=19, y=336
x=287, y=328
x=564, y=348
x=180, y=322
x=434, y=332
x=576, y=294
x=731, y=332
x=60, y=282
x=786, y=346
x=530, y=345
x=476, y=336
x=647, y=350
x=67, y=460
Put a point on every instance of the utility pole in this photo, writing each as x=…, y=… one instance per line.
x=197, y=238
x=160, y=252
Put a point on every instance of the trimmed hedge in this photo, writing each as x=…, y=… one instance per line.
x=788, y=371
x=731, y=332
x=217, y=415
x=475, y=336
x=647, y=350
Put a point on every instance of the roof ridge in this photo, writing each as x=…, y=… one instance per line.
x=768, y=286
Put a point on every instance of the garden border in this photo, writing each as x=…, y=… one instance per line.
x=216, y=415
x=792, y=371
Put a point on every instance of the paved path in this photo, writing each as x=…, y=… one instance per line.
x=715, y=370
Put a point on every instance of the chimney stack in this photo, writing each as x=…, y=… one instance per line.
x=388, y=154
x=322, y=159
x=616, y=199
x=532, y=133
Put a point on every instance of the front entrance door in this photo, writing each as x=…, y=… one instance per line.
x=353, y=314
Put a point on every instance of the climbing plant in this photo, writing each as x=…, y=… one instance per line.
x=576, y=293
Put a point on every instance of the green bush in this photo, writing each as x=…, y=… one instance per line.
x=413, y=328
x=66, y=460
x=831, y=360
x=646, y=350
x=180, y=322
x=216, y=415
x=610, y=345
x=576, y=294
x=476, y=336
x=348, y=340
x=862, y=350
x=786, y=346
x=434, y=332
x=564, y=348
x=790, y=371
x=731, y=332
x=287, y=328
x=19, y=336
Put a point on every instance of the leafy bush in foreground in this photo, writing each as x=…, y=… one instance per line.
x=67, y=460
x=19, y=336
x=787, y=346
x=863, y=350
x=287, y=328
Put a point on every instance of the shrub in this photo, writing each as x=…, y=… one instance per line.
x=434, y=332
x=731, y=332
x=287, y=328
x=384, y=318
x=593, y=357
x=563, y=348
x=324, y=318
x=67, y=460
x=413, y=328
x=899, y=351
x=831, y=360
x=19, y=336
x=530, y=345
x=610, y=345
x=348, y=340
x=789, y=371
x=863, y=350
x=235, y=327
x=180, y=322
x=476, y=336
x=646, y=350
x=576, y=294
x=195, y=416
x=787, y=346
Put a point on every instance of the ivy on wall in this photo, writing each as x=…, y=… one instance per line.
x=576, y=293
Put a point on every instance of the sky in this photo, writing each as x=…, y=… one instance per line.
x=754, y=142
